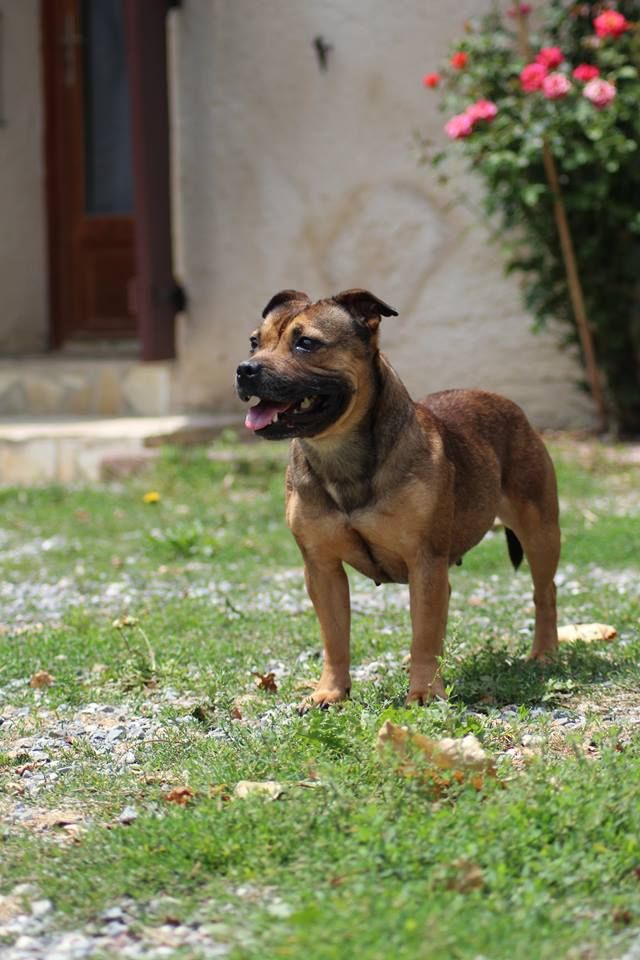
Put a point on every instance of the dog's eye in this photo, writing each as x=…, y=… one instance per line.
x=307, y=344
x=253, y=343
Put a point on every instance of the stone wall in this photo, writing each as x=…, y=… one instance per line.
x=290, y=176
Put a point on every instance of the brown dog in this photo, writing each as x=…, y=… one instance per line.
x=399, y=490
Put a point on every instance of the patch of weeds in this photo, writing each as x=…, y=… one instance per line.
x=184, y=540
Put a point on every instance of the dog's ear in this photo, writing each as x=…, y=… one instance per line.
x=285, y=296
x=364, y=305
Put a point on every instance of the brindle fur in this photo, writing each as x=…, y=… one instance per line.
x=401, y=490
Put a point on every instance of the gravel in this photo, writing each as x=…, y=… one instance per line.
x=25, y=601
x=119, y=931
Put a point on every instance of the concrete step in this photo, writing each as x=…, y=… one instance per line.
x=59, y=384
x=81, y=449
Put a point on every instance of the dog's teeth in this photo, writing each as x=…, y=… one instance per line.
x=306, y=403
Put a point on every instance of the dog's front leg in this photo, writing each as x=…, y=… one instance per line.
x=429, y=593
x=328, y=587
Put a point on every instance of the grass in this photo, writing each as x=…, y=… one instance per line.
x=361, y=859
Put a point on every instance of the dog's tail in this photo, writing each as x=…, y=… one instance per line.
x=516, y=552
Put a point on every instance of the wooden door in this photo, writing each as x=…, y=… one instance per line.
x=89, y=170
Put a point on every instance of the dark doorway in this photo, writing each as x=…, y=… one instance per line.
x=89, y=170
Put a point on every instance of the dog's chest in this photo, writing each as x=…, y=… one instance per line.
x=386, y=548
x=391, y=530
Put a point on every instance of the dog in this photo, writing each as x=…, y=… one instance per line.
x=398, y=490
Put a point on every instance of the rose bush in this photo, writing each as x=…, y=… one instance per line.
x=578, y=91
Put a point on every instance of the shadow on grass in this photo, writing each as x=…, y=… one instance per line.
x=496, y=677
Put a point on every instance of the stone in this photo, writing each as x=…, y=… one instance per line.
x=40, y=908
x=128, y=815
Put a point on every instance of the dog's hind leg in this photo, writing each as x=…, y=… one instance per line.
x=539, y=533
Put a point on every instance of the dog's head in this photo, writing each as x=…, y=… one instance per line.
x=309, y=362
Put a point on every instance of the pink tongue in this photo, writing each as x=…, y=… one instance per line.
x=262, y=414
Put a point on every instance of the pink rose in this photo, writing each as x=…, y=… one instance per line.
x=459, y=126
x=611, y=24
x=599, y=92
x=585, y=72
x=523, y=8
x=550, y=57
x=555, y=86
x=481, y=110
x=531, y=77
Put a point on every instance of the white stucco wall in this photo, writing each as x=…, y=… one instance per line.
x=23, y=273
x=286, y=176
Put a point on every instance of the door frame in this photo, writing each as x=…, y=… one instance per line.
x=154, y=292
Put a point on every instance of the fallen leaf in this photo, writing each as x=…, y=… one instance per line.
x=41, y=679
x=622, y=917
x=463, y=757
x=487, y=699
x=219, y=791
x=27, y=766
x=73, y=831
x=270, y=789
x=266, y=681
x=180, y=795
x=586, y=632
x=47, y=819
x=468, y=876
x=10, y=907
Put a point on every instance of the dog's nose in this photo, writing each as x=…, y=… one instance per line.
x=248, y=370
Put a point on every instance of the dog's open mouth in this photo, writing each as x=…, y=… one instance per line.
x=288, y=413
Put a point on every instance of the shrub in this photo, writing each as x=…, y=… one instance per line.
x=574, y=85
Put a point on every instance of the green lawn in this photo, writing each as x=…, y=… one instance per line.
x=359, y=857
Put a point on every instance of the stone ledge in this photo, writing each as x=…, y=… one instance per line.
x=69, y=450
x=68, y=386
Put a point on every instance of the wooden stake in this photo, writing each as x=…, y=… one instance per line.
x=568, y=253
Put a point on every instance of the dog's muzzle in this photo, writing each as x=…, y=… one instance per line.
x=289, y=407
x=248, y=378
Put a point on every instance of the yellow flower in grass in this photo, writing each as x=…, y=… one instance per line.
x=151, y=496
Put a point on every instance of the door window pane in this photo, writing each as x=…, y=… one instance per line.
x=109, y=182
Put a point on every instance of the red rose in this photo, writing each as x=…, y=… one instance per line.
x=611, y=24
x=585, y=72
x=531, y=77
x=550, y=57
x=459, y=60
x=431, y=80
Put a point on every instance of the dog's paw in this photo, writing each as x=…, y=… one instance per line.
x=544, y=654
x=323, y=697
x=433, y=691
